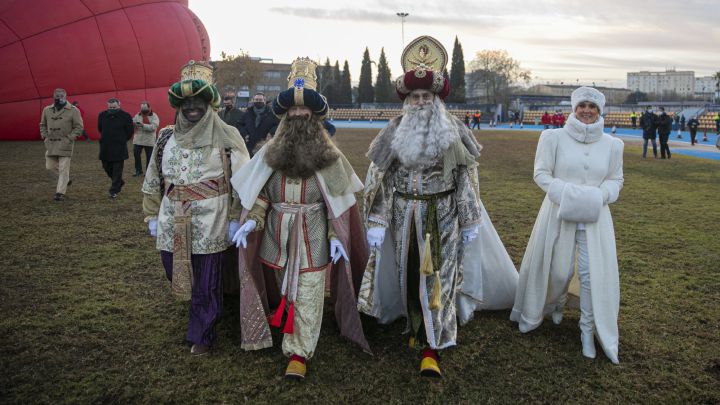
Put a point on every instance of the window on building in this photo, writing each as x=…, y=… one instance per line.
x=271, y=74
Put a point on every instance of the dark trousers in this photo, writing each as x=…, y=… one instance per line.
x=206, y=298
x=137, y=153
x=664, y=146
x=114, y=170
x=693, y=134
x=634, y=122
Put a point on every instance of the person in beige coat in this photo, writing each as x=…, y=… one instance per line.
x=145, y=123
x=60, y=125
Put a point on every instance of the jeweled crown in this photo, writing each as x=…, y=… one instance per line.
x=302, y=74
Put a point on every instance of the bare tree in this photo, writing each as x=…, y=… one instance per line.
x=493, y=72
x=233, y=72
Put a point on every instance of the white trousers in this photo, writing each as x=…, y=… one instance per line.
x=60, y=167
x=308, y=315
x=587, y=321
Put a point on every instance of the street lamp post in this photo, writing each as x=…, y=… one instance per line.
x=402, y=25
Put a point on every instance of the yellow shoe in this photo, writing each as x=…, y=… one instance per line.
x=295, y=370
x=429, y=367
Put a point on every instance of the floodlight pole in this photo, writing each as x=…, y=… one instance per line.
x=402, y=25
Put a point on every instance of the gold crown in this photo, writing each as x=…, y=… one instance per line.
x=425, y=53
x=302, y=74
x=197, y=70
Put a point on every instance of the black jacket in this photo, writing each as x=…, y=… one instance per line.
x=664, y=124
x=253, y=134
x=231, y=117
x=115, y=131
x=647, y=123
x=693, y=124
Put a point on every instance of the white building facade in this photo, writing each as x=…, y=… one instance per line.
x=669, y=81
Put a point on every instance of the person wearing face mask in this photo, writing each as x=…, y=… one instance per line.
x=663, y=123
x=435, y=257
x=580, y=169
x=115, y=127
x=189, y=205
x=228, y=113
x=301, y=228
x=60, y=125
x=647, y=123
x=258, y=123
x=146, y=123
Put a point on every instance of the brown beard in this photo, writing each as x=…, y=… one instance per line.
x=300, y=148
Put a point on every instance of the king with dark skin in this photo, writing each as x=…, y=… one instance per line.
x=193, y=108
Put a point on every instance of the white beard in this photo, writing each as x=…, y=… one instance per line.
x=423, y=135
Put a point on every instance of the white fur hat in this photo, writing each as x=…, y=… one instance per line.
x=587, y=94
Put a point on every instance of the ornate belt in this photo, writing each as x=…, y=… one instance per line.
x=292, y=269
x=182, y=197
x=425, y=197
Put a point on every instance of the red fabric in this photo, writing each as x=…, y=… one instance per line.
x=277, y=317
x=413, y=82
x=290, y=320
x=95, y=49
x=300, y=359
x=546, y=120
x=427, y=352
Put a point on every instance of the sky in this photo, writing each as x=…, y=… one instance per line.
x=558, y=41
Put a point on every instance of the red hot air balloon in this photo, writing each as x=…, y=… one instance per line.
x=132, y=50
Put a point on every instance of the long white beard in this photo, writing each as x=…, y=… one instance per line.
x=423, y=135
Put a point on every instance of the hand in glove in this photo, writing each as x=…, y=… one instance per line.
x=337, y=251
x=152, y=227
x=375, y=236
x=240, y=237
x=233, y=227
x=469, y=235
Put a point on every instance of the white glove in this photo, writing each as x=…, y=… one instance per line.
x=233, y=226
x=375, y=236
x=240, y=237
x=337, y=251
x=152, y=227
x=469, y=235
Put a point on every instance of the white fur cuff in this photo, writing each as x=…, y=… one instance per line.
x=580, y=203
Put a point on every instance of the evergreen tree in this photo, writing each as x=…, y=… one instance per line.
x=326, y=82
x=457, y=74
x=383, y=82
x=337, y=83
x=365, y=87
x=345, y=88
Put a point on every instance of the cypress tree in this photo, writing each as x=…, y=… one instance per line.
x=365, y=87
x=327, y=84
x=383, y=82
x=337, y=83
x=457, y=74
x=345, y=91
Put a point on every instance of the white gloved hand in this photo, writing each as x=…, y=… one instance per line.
x=240, y=237
x=469, y=235
x=375, y=236
x=337, y=251
x=233, y=227
x=152, y=227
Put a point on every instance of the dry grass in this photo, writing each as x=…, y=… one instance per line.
x=87, y=315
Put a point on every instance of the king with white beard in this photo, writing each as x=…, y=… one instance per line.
x=423, y=215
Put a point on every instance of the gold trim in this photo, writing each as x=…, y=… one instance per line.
x=299, y=97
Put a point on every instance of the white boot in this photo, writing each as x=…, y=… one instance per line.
x=588, y=344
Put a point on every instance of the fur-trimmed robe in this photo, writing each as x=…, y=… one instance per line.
x=258, y=291
x=485, y=277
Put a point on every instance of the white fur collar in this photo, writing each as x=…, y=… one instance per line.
x=585, y=133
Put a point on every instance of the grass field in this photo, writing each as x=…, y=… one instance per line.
x=87, y=316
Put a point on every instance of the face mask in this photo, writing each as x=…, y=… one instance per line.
x=59, y=102
x=259, y=104
x=112, y=110
x=144, y=111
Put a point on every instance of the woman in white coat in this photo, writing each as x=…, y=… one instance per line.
x=580, y=169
